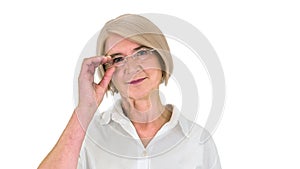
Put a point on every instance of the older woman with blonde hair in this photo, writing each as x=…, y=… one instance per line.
x=139, y=131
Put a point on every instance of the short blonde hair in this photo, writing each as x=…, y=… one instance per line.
x=140, y=30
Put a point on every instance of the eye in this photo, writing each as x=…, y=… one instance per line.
x=118, y=59
x=142, y=52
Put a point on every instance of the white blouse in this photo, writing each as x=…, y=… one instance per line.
x=112, y=142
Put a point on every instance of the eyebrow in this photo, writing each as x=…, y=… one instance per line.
x=135, y=49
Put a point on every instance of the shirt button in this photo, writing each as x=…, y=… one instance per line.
x=145, y=153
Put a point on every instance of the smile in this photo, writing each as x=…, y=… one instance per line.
x=137, y=81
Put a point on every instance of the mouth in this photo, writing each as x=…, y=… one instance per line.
x=137, y=81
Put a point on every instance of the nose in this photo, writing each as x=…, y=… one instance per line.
x=131, y=66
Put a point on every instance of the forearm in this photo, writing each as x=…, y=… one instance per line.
x=65, y=153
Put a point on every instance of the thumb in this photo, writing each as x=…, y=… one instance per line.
x=106, y=78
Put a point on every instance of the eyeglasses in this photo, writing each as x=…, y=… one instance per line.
x=121, y=60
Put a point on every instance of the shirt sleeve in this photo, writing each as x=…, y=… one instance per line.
x=211, y=157
x=81, y=160
x=85, y=159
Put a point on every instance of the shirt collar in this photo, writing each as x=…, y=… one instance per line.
x=116, y=114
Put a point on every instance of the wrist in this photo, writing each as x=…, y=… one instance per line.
x=84, y=115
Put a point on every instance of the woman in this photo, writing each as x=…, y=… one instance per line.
x=139, y=131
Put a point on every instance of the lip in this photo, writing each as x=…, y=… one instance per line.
x=137, y=81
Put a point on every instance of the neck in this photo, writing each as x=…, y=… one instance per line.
x=147, y=115
x=143, y=110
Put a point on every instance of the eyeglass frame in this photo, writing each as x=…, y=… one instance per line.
x=134, y=56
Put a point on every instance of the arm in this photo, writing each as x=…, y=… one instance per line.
x=65, y=153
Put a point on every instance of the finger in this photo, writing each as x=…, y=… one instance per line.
x=95, y=61
x=106, y=59
x=106, y=78
x=89, y=65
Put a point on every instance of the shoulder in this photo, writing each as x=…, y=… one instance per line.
x=103, y=118
x=194, y=131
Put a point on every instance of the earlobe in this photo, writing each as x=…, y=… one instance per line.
x=162, y=79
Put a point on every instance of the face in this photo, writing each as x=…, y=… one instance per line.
x=135, y=79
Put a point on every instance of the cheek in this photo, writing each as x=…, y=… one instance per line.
x=155, y=76
x=116, y=80
x=151, y=64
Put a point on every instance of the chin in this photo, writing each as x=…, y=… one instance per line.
x=143, y=91
x=142, y=94
x=138, y=95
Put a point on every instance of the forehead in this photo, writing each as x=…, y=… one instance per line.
x=118, y=44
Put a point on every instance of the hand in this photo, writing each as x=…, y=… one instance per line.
x=90, y=93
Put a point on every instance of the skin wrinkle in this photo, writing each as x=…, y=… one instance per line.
x=140, y=101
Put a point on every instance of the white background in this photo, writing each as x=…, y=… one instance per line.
x=257, y=43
